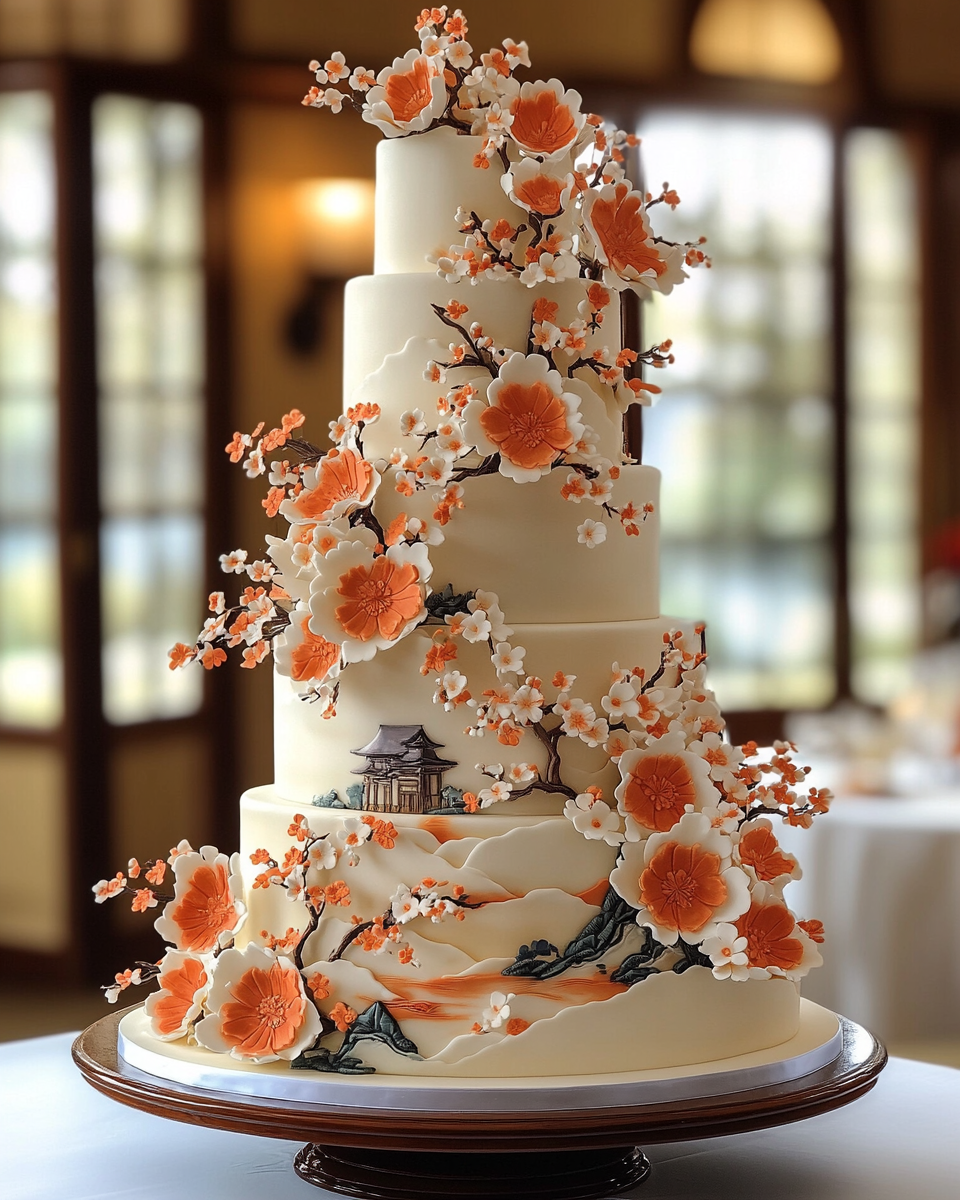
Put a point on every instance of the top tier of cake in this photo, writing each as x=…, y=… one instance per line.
x=421, y=183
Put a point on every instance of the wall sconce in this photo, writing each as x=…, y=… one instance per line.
x=792, y=41
x=335, y=219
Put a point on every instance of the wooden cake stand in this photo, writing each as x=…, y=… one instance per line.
x=411, y=1154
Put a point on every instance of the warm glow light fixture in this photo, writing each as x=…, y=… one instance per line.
x=794, y=41
x=335, y=218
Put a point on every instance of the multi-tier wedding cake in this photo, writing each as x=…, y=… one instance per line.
x=507, y=836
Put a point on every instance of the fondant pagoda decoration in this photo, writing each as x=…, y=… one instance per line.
x=403, y=770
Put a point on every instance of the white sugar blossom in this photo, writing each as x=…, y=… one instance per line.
x=521, y=773
x=550, y=268
x=498, y=791
x=404, y=905
x=724, y=816
x=722, y=758
x=233, y=563
x=413, y=423
x=460, y=55
x=499, y=1010
x=528, y=705
x=353, y=833
x=727, y=951
x=591, y=533
x=508, y=660
x=476, y=627
x=621, y=700
x=594, y=819
x=322, y=855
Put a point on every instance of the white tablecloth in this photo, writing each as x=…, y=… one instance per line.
x=64, y=1141
x=884, y=877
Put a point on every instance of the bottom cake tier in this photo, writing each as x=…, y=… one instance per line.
x=815, y=1044
x=524, y=970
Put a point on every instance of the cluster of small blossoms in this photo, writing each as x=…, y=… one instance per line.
x=480, y=415
x=204, y=981
x=582, y=218
x=439, y=82
x=562, y=167
x=198, y=919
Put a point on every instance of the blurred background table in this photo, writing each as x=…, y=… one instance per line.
x=62, y=1139
x=883, y=875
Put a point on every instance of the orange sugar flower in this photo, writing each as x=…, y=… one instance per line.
x=544, y=121
x=379, y=599
x=618, y=221
x=171, y=1007
x=396, y=529
x=266, y=1012
x=319, y=986
x=760, y=850
x=768, y=929
x=206, y=909
x=408, y=93
x=337, y=893
x=213, y=656
x=813, y=930
x=657, y=790
x=314, y=656
x=682, y=887
x=545, y=310
x=343, y=1016
x=598, y=296
x=143, y=899
x=156, y=873
x=541, y=193
x=515, y=1025
x=180, y=654
x=528, y=424
x=343, y=477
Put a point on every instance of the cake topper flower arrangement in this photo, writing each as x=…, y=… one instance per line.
x=560, y=165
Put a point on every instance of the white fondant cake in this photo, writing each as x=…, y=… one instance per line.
x=507, y=837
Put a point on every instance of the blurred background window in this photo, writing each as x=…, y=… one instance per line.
x=30, y=660
x=150, y=337
x=758, y=533
x=883, y=387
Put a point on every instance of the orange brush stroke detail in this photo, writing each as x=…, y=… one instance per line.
x=595, y=894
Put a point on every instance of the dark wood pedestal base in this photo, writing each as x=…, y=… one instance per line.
x=585, y=1153
x=407, y=1175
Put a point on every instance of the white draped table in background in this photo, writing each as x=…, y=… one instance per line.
x=884, y=877
x=64, y=1141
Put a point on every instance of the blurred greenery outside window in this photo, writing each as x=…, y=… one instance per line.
x=30, y=661
x=745, y=433
x=149, y=289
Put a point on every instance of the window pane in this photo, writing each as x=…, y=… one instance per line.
x=884, y=388
x=30, y=668
x=744, y=433
x=150, y=321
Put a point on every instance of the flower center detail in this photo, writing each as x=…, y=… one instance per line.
x=272, y=1011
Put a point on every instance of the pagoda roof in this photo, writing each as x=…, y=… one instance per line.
x=407, y=745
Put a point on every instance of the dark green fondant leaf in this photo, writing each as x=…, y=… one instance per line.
x=377, y=1024
x=321, y=1059
x=445, y=603
x=599, y=935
